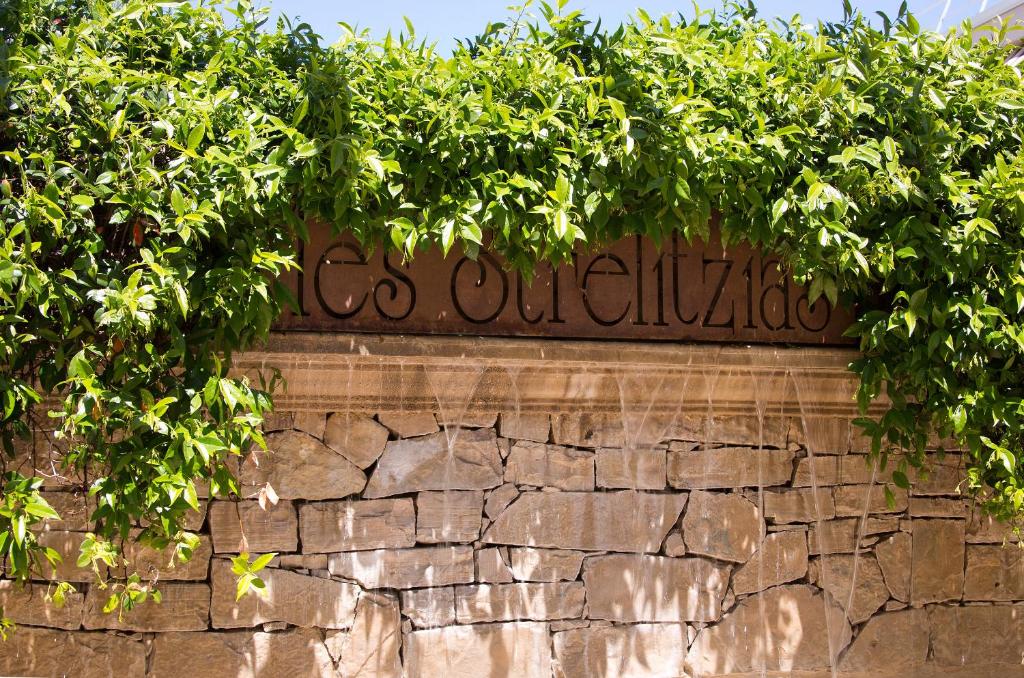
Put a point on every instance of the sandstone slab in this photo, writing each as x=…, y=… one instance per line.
x=525, y=426
x=723, y=526
x=310, y=422
x=938, y=507
x=356, y=437
x=166, y=566
x=372, y=649
x=637, y=651
x=937, y=574
x=530, y=564
x=786, y=628
x=643, y=469
x=427, y=608
x=491, y=567
x=892, y=642
x=606, y=521
x=298, y=466
x=855, y=500
x=328, y=527
x=518, y=649
x=44, y=652
x=729, y=467
x=781, y=558
x=799, y=505
x=994, y=573
x=406, y=568
x=74, y=509
x=68, y=546
x=541, y=465
x=894, y=556
x=409, y=424
x=27, y=604
x=289, y=597
x=244, y=526
x=241, y=654
x=833, y=536
x=977, y=635
x=588, y=429
x=854, y=581
x=642, y=588
x=452, y=516
x=470, y=461
x=498, y=500
x=184, y=607
x=512, y=602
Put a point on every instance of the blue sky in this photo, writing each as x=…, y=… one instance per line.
x=445, y=20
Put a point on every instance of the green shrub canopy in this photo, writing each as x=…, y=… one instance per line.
x=158, y=160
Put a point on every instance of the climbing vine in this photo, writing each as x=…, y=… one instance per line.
x=158, y=160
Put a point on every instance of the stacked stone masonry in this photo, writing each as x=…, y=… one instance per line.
x=504, y=544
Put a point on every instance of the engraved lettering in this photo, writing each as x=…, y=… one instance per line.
x=481, y=280
x=719, y=288
x=622, y=270
x=360, y=260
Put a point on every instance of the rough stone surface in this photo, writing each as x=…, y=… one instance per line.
x=637, y=651
x=410, y=424
x=67, y=545
x=601, y=575
x=298, y=466
x=723, y=526
x=588, y=429
x=184, y=607
x=853, y=500
x=799, y=506
x=74, y=509
x=512, y=602
x=429, y=607
x=428, y=463
x=356, y=437
x=938, y=557
x=938, y=507
x=786, y=628
x=893, y=556
x=632, y=588
x=541, y=465
x=525, y=426
x=274, y=529
x=372, y=648
x=241, y=654
x=781, y=558
x=491, y=567
x=607, y=521
x=530, y=564
x=854, y=581
x=27, y=604
x=994, y=573
x=643, y=469
x=289, y=597
x=406, y=568
x=310, y=422
x=165, y=566
x=45, y=652
x=328, y=527
x=518, y=649
x=833, y=536
x=448, y=516
x=498, y=500
x=977, y=635
x=729, y=467
x=893, y=642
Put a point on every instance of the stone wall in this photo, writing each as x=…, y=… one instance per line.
x=464, y=541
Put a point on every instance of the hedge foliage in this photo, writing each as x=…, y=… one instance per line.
x=158, y=160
